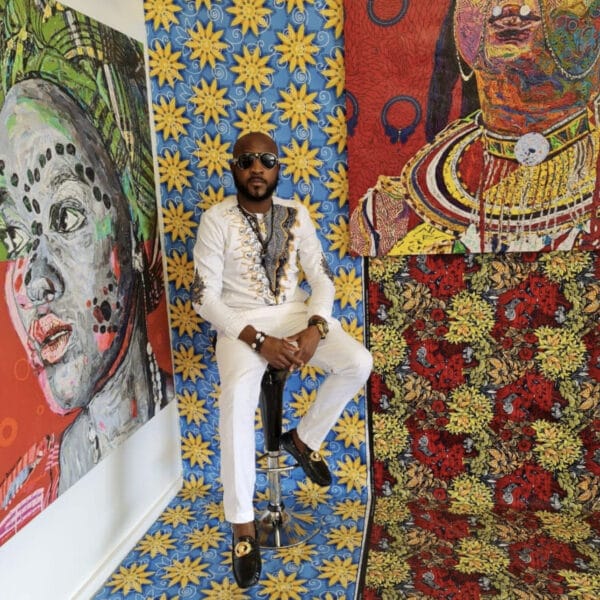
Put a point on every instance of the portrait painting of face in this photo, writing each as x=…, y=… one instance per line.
x=87, y=355
x=66, y=226
x=478, y=131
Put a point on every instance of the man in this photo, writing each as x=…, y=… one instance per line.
x=247, y=257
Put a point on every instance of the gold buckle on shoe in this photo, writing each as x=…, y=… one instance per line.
x=315, y=456
x=242, y=548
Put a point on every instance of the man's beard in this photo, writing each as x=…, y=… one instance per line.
x=246, y=194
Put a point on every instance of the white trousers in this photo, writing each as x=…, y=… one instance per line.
x=346, y=362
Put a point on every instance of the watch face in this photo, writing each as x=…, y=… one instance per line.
x=323, y=329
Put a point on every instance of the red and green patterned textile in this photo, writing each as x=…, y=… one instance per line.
x=485, y=407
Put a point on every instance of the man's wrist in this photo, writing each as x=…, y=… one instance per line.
x=259, y=340
x=321, y=324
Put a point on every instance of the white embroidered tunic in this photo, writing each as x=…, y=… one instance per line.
x=234, y=274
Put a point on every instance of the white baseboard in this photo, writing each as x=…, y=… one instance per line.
x=122, y=548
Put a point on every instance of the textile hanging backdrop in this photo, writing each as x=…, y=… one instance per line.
x=83, y=303
x=472, y=126
x=221, y=68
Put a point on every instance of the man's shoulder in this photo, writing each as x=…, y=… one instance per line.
x=291, y=203
x=219, y=209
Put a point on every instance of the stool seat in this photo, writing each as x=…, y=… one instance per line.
x=278, y=526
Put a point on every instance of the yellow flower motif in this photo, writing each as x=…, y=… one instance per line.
x=131, y=578
x=353, y=328
x=211, y=197
x=225, y=590
x=169, y=118
x=205, y=538
x=254, y=119
x=470, y=411
x=164, y=64
x=471, y=318
x=194, y=488
x=184, y=318
x=311, y=494
x=470, y=496
x=162, y=12
x=164, y=597
x=561, y=352
x=188, y=363
x=339, y=571
x=214, y=510
x=250, y=14
x=210, y=101
x=206, y=44
x=391, y=510
x=337, y=129
x=345, y=537
x=312, y=207
x=336, y=75
x=192, y=408
x=351, y=430
x=197, y=451
x=178, y=222
x=477, y=556
x=350, y=509
x=299, y=4
x=180, y=270
x=583, y=586
x=348, y=288
x=334, y=15
x=310, y=372
x=300, y=161
x=177, y=515
x=564, y=266
x=387, y=348
x=340, y=239
x=182, y=572
x=297, y=555
x=284, y=587
x=352, y=473
x=390, y=435
x=564, y=527
x=252, y=69
x=213, y=154
x=557, y=447
x=302, y=401
x=155, y=544
x=298, y=106
x=386, y=570
x=338, y=184
x=296, y=49
x=173, y=171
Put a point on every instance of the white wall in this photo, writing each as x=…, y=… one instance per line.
x=69, y=550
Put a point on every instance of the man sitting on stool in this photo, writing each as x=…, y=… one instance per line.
x=247, y=267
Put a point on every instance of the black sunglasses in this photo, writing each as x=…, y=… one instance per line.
x=246, y=160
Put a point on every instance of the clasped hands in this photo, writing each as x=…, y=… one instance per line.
x=291, y=352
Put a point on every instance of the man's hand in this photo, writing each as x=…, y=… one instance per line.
x=281, y=353
x=307, y=341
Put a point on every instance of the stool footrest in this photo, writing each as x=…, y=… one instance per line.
x=279, y=527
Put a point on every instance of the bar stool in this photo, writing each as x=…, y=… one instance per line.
x=278, y=527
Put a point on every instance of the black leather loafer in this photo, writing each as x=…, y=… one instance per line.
x=246, y=561
x=311, y=461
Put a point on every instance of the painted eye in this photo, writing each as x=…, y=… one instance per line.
x=65, y=218
x=15, y=240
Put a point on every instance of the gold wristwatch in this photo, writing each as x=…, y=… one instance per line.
x=321, y=325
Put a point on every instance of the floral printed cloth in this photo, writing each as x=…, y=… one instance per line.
x=486, y=427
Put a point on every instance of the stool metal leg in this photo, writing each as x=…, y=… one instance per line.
x=278, y=526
